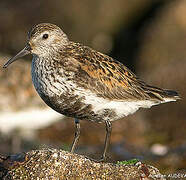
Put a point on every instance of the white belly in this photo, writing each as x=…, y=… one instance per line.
x=121, y=108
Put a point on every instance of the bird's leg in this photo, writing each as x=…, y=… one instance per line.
x=108, y=126
x=77, y=134
x=107, y=138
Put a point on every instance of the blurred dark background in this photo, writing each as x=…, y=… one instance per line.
x=148, y=36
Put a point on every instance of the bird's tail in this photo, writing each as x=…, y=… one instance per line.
x=162, y=95
x=170, y=95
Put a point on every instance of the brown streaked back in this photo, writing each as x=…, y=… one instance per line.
x=109, y=78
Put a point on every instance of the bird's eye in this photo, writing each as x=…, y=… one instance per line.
x=45, y=36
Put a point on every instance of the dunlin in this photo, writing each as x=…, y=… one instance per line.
x=85, y=84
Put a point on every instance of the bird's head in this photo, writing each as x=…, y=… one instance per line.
x=42, y=40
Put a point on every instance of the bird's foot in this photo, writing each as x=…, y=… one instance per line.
x=103, y=159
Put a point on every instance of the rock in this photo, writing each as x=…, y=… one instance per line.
x=59, y=164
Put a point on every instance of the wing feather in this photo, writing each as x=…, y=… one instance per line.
x=107, y=77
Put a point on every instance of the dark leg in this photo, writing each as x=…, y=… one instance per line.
x=77, y=134
x=107, y=138
x=108, y=126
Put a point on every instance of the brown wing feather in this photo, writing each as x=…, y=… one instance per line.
x=106, y=77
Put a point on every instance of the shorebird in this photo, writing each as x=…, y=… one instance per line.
x=82, y=83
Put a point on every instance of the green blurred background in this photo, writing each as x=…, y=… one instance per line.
x=148, y=36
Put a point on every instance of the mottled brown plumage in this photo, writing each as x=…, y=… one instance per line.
x=80, y=82
x=107, y=77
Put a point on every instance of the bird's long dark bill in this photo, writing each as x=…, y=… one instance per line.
x=22, y=53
